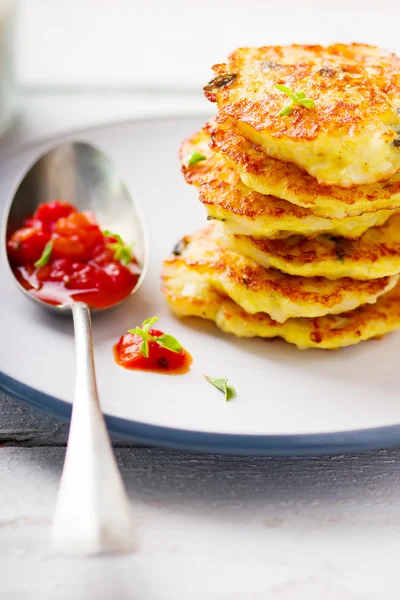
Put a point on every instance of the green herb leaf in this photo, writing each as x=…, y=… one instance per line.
x=195, y=158
x=44, y=259
x=122, y=252
x=297, y=97
x=109, y=233
x=286, y=90
x=169, y=342
x=307, y=102
x=285, y=111
x=144, y=347
x=222, y=385
x=149, y=322
x=137, y=331
x=165, y=341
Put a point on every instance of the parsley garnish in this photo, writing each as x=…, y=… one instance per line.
x=164, y=340
x=195, y=158
x=222, y=385
x=44, y=259
x=297, y=97
x=122, y=252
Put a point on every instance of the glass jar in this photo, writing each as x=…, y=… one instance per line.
x=7, y=79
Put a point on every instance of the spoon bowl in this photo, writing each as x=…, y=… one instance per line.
x=81, y=174
x=93, y=513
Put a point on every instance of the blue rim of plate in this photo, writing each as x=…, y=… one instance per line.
x=219, y=443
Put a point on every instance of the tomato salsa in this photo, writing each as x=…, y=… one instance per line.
x=148, y=349
x=60, y=255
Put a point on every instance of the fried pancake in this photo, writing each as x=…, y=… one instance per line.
x=376, y=254
x=189, y=293
x=350, y=135
x=243, y=211
x=285, y=180
x=257, y=289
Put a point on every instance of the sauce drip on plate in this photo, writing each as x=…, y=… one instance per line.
x=127, y=354
x=60, y=255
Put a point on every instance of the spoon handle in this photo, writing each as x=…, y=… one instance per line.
x=93, y=513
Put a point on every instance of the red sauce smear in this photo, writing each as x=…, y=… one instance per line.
x=81, y=265
x=160, y=360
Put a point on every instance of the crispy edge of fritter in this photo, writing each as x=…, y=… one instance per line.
x=250, y=284
x=327, y=332
x=291, y=183
x=225, y=197
x=375, y=254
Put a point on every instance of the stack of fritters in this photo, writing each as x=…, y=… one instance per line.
x=304, y=202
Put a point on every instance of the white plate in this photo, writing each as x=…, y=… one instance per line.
x=288, y=402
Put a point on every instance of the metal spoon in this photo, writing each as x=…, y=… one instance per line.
x=93, y=512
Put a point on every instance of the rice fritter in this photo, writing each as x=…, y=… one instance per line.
x=259, y=289
x=228, y=199
x=299, y=173
x=189, y=293
x=346, y=135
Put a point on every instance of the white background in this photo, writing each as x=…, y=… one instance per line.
x=172, y=44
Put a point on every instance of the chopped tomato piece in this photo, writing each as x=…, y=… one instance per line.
x=76, y=236
x=32, y=222
x=49, y=213
x=26, y=245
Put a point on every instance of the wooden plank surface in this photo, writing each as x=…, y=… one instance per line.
x=208, y=526
x=19, y=424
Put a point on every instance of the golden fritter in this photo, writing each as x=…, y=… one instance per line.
x=243, y=211
x=376, y=254
x=285, y=180
x=189, y=293
x=257, y=289
x=343, y=126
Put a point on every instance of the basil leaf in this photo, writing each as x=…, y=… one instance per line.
x=307, y=102
x=195, y=158
x=44, y=259
x=122, y=252
x=137, y=331
x=164, y=340
x=168, y=342
x=126, y=255
x=109, y=233
x=221, y=384
x=297, y=97
x=147, y=323
x=144, y=347
x=286, y=90
x=285, y=111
